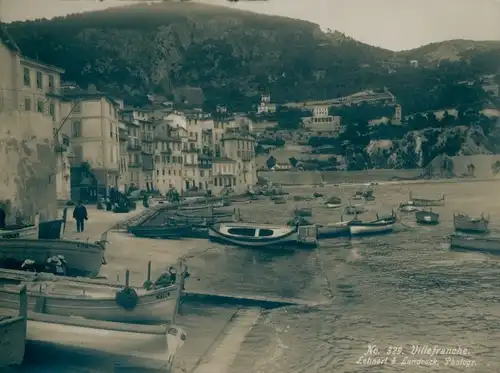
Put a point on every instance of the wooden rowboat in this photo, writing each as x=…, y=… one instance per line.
x=422, y=202
x=479, y=243
x=340, y=228
x=63, y=297
x=380, y=225
x=427, y=217
x=82, y=257
x=465, y=223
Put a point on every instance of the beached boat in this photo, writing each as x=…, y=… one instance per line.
x=108, y=302
x=340, y=228
x=13, y=332
x=427, y=217
x=382, y=224
x=279, y=200
x=354, y=209
x=258, y=235
x=162, y=231
x=136, y=343
x=333, y=202
x=208, y=213
x=422, y=202
x=303, y=211
x=465, y=223
x=83, y=258
x=480, y=243
x=409, y=208
x=18, y=231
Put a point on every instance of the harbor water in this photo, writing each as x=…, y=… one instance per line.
x=390, y=294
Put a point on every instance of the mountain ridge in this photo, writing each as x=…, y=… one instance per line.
x=234, y=55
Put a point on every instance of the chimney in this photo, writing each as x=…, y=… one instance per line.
x=92, y=88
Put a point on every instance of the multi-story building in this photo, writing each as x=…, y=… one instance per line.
x=240, y=147
x=134, y=164
x=28, y=85
x=124, y=179
x=91, y=119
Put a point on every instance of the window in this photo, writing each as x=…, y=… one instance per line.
x=40, y=106
x=51, y=82
x=52, y=111
x=27, y=77
x=76, y=128
x=110, y=130
x=39, y=83
x=202, y=173
x=27, y=104
x=112, y=155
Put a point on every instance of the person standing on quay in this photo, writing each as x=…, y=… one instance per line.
x=80, y=215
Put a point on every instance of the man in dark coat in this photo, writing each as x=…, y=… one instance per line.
x=80, y=215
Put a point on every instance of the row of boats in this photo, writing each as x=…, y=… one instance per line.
x=59, y=307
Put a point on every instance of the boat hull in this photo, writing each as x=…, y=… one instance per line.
x=477, y=243
x=290, y=239
x=334, y=230
x=12, y=340
x=18, y=233
x=357, y=230
x=164, y=232
x=427, y=218
x=469, y=225
x=83, y=258
x=333, y=205
x=152, y=307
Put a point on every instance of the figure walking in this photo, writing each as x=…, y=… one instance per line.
x=80, y=215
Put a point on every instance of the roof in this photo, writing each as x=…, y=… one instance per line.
x=7, y=40
x=40, y=64
x=78, y=93
x=237, y=137
x=189, y=96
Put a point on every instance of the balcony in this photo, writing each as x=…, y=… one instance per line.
x=134, y=164
x=191, y=150
x=134, y=147
x=147, y=137
x=224, y=173
x=147, y=151
x=190, y=164
x=62, y=143
x=166, y=151
x=247, y=157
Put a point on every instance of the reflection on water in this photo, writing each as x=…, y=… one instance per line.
x=402, y=289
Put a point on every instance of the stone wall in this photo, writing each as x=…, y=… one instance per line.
x=27, y=166
x=336, y=177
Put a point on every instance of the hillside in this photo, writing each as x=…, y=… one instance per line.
x=233, y=55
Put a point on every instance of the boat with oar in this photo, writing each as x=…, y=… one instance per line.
x=82, y=257
x=261, y=235
x=382, y=224
x=469, y=224
x=475, y=243
x=427, y=217
x=422, y=202
x=98, y=301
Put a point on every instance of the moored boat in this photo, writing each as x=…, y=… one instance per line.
x=152, y=343
x=162, y=231
x=258, y=235
x=422, y=202
x=340, y=228
x=13, y=332
x=82, y=257
x=465, y=223
x=382, y=224
x=479, y=243
x=107, y=302
x=427, y=217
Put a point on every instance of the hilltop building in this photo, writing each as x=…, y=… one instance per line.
x=266, y=106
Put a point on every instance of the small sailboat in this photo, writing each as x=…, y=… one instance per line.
x=427, y=217
x=465, y=223
x=382, y=224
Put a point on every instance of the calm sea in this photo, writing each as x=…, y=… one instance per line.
x=388, y=292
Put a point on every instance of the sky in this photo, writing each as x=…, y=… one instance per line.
x=392, y=24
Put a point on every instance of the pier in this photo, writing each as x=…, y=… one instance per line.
x=266, y=302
